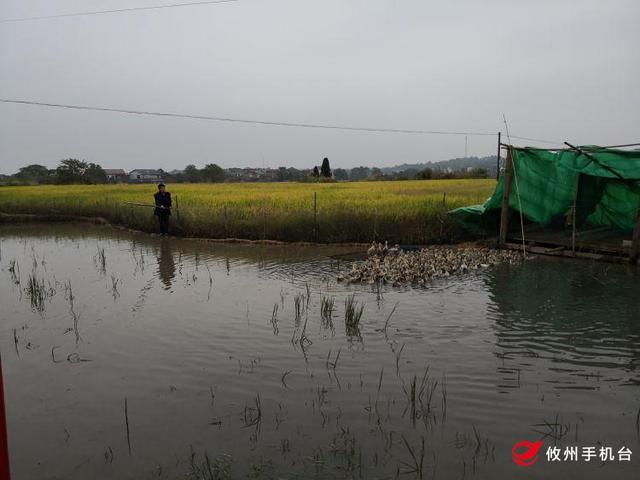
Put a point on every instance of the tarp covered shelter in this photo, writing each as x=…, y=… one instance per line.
x=581, y=189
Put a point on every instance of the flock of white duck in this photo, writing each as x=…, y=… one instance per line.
x=392, y=265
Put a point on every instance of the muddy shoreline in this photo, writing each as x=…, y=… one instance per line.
x=18, y=218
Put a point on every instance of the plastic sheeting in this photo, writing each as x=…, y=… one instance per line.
x=604, y=184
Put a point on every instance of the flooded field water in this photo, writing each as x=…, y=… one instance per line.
x=131, y=357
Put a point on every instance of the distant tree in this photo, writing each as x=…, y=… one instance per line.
x=282, y=175
x=376, y=173
x=340, y=174
x=359, y=173
x=191, y=174
x=94, y=174
x=325, y=169
x=33, y=173
x=426, y=174
x=212, y=173
x=477, y=173
x=295, y=174
x=71, y=170
x=408, y=174
x=316, y=172
x=289, y=174
x=177, y=177
x=444, y=174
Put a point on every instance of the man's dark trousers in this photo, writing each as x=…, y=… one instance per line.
x=163, y=219
x=163, y=210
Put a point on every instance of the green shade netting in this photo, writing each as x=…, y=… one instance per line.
x=544, y=187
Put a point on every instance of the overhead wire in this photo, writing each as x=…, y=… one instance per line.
x=245, y=120
x=550, y=142
x=223, y=119
x=117, y=10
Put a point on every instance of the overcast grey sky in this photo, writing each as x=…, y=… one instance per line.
x=558, y=69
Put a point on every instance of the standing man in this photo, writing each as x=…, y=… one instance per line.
x=163, y=208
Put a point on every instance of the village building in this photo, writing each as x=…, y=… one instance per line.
x=145, y=175
x=249, y=174
x=116, y=175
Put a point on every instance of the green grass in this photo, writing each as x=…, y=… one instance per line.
x=405, y=212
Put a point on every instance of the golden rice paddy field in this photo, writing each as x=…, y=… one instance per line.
x=405, y=211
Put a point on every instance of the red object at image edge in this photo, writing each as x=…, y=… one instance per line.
x=4, y=442
x=525, y=453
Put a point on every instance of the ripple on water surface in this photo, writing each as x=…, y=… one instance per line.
x=207, y=345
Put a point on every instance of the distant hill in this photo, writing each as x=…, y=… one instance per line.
x=454, y=164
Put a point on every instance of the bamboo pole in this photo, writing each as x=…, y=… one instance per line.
x=498, y=157
x=594, y=160
x=151, y=205
x=635, y=242
x=562, y=252
x=573, y=215
x=506, y=190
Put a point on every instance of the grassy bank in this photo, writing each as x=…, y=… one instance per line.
x=405, y=212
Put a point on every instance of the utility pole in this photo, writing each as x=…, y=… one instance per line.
x=498, y=157
x=506, y=191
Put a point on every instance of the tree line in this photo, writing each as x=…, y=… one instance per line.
x=70, y=170
x=74, y=171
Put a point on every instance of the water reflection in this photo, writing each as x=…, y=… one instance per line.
x=584, y=316
x=197, y=366
x=285, y=262
x=166, y=263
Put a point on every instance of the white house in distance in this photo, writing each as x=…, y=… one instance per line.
x=246, y=174
x=145, y=175
x=115, y=175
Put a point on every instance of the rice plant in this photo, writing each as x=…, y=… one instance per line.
x=38, y=292
x=70, y=297
x=386, y=323
x=401, y=212
x=100, y=260
x=114, y=286
x=210, y=282
x=274, y=319
x=218, y=468
x=327, y=305
x=416, y=464
x=298, y=306
x=14, y=271
x=252, y=416
x=126, y=422
x=352, y=316
x=304, y=340
x=308, y=297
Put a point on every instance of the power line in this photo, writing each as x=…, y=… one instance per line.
x=551, y=142
x=242, y=120
x=268, y=122
x=119, y=10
